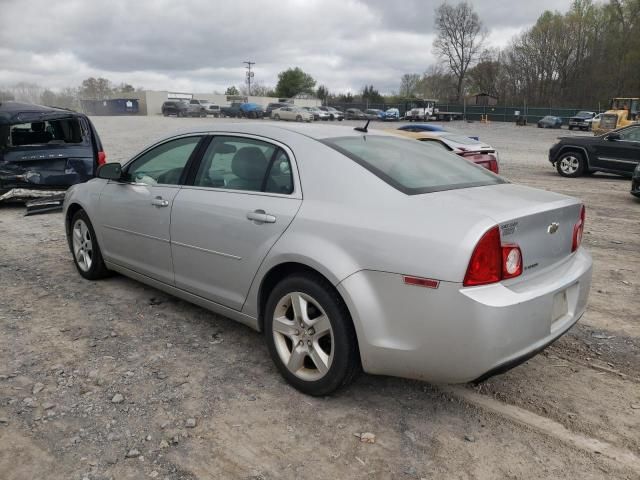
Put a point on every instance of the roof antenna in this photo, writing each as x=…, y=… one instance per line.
x=363, y=129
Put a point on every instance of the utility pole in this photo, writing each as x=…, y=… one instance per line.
x=249, y=74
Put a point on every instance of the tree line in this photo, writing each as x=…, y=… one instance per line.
x=582, y=57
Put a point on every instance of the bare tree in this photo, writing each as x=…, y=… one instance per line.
x=460, y=39
x=409, y=84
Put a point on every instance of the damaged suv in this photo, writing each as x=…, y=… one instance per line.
x=45, y=149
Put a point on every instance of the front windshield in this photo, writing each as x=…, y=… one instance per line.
x=412, y=167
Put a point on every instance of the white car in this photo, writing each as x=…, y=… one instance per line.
x=297, y=114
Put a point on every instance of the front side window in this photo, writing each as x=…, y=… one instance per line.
x=237, y=163
x=412, y=167
x=163, y=164
x=631, y=134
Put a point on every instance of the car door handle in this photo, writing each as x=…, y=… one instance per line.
x=261, y=216
x=159, y=202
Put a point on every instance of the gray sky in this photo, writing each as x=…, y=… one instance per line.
x=199, y=45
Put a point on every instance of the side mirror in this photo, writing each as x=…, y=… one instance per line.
x=613, y=136
x=110, y=171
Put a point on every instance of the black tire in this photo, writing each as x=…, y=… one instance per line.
x=571, y=164
x=276, y=117
x=299, y=118
x=97, y=269
x=345, y=364
x=571, y=128
x=165, y=113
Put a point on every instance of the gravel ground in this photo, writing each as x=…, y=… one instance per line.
x=115, y=380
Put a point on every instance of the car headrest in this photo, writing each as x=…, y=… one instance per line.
x=249, y=163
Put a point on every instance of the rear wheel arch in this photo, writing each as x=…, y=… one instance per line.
x=281, y=271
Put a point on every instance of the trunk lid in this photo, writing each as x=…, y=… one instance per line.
x=539, y=222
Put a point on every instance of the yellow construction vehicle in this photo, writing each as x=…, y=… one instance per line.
x=623, y=112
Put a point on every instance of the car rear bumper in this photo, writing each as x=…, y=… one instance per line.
x=453, y=334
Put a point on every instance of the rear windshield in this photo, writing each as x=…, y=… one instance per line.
x=48, y=132
x=410, y=166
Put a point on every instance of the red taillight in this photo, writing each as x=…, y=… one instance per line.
x=102, y=158
x=578, y=230
x=485, y=265
x=481, y=159
x=491, y=261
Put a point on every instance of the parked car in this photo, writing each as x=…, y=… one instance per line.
x=392, y=114
x=334, y=114
x=421, y=127
x=317, y=113
x=428, y=267
x=635, y=182
x=354, y=114
x=44, y=148
x=469, y=148
x=273, y=106
x=594, y=123
x=292, y=112
x=242, y=110
x=203, y=108
x=581, y=120
x=617, y=151
x=197, y=108
x=550, y=121
x=374, y=114
x=179, y=108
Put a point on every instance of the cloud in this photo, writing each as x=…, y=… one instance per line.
x=199, y=45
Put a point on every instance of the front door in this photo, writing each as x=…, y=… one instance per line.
x=135, y=213
x=620, y=155
x=244, y=195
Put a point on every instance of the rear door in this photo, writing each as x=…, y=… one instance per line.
x=135, y=214
x=243, y=196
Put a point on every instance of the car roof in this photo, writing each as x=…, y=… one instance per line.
x=276, y=131
x=17, y=112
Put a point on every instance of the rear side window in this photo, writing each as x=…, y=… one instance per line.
x=412, y=167
x=237, y=163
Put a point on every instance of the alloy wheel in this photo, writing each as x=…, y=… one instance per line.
x=569, y=164
x=303, y=336
x=82, y=245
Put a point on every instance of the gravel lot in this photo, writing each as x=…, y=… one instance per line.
x=115, y=380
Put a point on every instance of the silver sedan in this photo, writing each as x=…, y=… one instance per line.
x=349, y=249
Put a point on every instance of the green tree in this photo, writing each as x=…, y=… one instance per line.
x=232, y=90
x=294, y=81
x=371, y=95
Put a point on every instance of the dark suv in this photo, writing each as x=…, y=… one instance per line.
x=44, y=148
x=617, y=152
x=178, y=108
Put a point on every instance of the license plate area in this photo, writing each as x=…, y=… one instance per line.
x=560, y=307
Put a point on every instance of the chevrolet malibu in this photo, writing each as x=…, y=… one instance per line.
x=348, y=249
